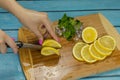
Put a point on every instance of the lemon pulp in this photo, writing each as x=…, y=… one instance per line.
x=86, y=54
x=94, y=53
x=100, y=49
x=77, y=50
x=46, y=51
x=107, y=42
x=89, y=34
x=51, y=43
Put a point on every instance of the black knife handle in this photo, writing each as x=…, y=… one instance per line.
x=18, y=43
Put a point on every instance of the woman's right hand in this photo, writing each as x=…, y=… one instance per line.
x=33, y=20
x=5, y=39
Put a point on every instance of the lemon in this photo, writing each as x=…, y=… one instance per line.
x=100, y=49
x=86, y=54
x=77, y=50
x=94, y=53
x=89, y=34
x=51, y=43
x=107, y=42
x=47, y=51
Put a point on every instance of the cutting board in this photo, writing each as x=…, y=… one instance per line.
x=65, y=67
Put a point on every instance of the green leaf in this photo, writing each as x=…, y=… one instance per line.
x=70, y=25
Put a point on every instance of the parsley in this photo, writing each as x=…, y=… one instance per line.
x=68, y=25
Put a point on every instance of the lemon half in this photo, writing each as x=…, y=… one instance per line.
x=89, y=34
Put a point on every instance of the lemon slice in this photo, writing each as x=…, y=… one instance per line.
x=101, y=50
x=107, y=42
x=77, y=50
x=47, y=51
x=86, y=54
x=51, y=43
x=94, y=53
x=89, y=34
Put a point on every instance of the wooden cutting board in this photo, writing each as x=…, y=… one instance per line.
x=38, y=67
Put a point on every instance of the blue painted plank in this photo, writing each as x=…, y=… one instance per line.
x=13, y=34
x=114, y=74
x=71, y=5
x=64, y=5
x=8, y=21
x=10, y=68
x=101, y=78
x=118, y=29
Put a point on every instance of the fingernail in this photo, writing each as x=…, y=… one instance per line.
x=40, y=42
x=58, y=39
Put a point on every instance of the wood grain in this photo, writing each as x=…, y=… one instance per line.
x=36, y=66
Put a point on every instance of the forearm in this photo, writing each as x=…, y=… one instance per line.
x=12, y=6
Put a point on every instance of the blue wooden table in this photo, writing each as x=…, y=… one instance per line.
x=10, y=68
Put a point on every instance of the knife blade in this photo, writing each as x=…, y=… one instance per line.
x=20, y=44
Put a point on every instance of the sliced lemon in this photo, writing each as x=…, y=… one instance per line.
x=77, y=50
x=94, y=53
x=47, y=51
x=86, y=54
x=89, y=34
x=51, y=43
x=101, y=50
x=107, y=42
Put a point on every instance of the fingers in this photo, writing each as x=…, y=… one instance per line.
x=11, y=43
x=36, y=31
x=38, y=34
x=50, y=30
x=3, y=47
x=4, y=38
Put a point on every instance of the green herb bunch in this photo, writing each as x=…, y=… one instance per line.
x=69, y=26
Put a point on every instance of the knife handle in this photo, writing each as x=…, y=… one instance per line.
x=18, y=43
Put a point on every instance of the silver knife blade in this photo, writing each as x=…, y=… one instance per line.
x=32, y=46
x=26, y=45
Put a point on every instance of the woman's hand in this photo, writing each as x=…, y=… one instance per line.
x=30, y=19
x=5, y=39
x=33, y=20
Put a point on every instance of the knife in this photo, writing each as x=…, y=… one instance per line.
x=20, y=44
